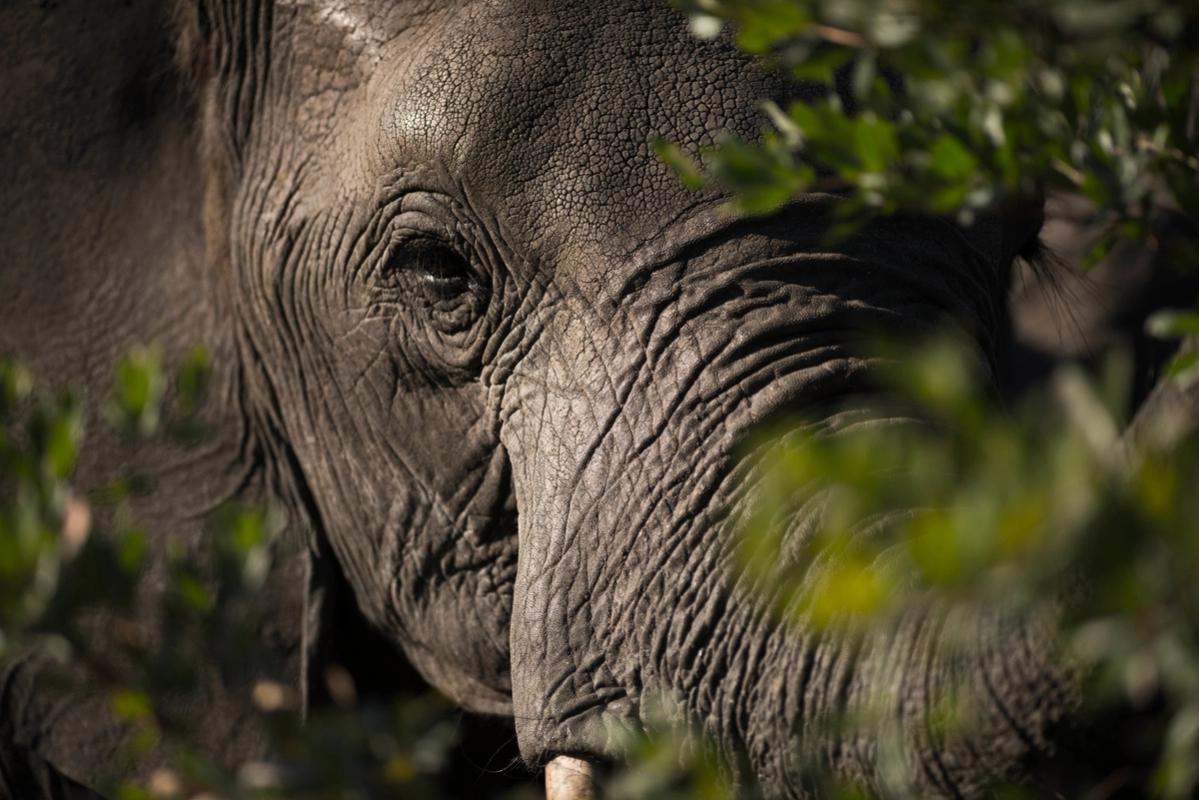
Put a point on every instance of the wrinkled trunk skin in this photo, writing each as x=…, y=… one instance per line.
x=627, y=484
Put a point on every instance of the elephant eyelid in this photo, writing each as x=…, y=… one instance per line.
x=436, y=266
x=439, y=296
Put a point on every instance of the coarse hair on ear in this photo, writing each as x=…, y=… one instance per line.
x=1030, y=255
x=202, y=56
x=1023, y=242
x=188, y=38
x=224, y=47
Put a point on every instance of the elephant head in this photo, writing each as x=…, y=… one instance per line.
x=495, y=354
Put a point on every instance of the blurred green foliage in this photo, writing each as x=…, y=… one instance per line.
x=992, y=513
x=39, y=440
x=956, y=108
x=68, y=562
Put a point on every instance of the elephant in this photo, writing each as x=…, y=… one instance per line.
x=492, y=357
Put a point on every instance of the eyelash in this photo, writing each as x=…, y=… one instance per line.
x=430, y=274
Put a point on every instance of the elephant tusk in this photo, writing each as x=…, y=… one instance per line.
x=569, y=778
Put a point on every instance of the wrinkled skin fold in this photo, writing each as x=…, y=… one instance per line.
x=501, y=363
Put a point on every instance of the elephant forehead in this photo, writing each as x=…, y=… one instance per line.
x=359, y=24
x=548, y=110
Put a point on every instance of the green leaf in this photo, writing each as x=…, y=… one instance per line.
x=62, y=442
x=15, y=385
x=763, y=177
x=818, y=64
x=245, y=531
x=950, y=159
x=877, y=144
x=194, y=594
x=138, y=391
x=192, y=380
x=767, y=22
x=131, y=704
x=1183, y=368
x=132, y=549
x=1173, y=324
x=891, y=29
x=865, y=70
x=684, y=167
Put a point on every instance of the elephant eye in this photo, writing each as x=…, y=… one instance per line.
x=442, y=273
x=438, y=280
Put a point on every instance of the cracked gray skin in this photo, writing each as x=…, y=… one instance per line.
x=493, y=354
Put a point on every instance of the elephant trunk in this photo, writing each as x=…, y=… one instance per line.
x=623, y=424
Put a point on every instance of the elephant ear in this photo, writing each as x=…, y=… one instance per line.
x=344, y=659
x=324, y=593
x=223, y=46
x=105, y=247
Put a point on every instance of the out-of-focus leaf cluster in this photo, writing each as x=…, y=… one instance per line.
x=936, y=497
x=954, y=108
x=370, y=751
x=956, y=504
x=70, y=563
x=40, y=518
